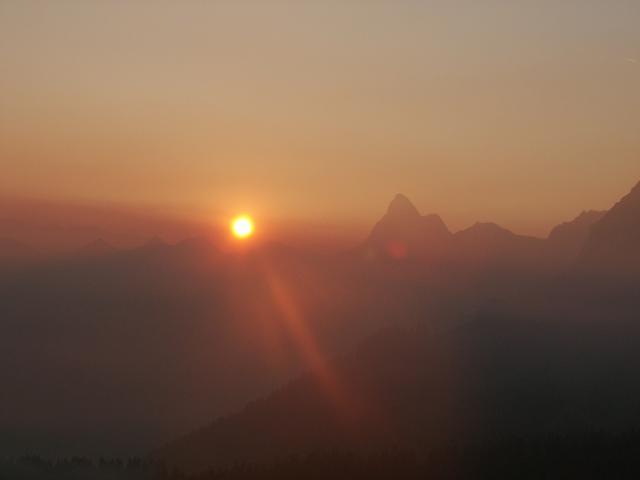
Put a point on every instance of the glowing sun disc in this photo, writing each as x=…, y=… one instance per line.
x=242, y=226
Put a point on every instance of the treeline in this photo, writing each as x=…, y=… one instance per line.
x=587, y=456
x=35, y=467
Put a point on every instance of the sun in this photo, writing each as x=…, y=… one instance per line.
x=242, y=226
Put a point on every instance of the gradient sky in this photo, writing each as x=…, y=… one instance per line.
x=520, y=112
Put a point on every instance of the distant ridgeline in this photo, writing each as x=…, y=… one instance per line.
x=416, y=339
x=533, y=358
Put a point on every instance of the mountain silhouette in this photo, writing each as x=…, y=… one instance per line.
x=197, y=331
x=614, y=241
x=491, y=244
x=404, y=233
x=569, y=238
x=401, y=206
x=513, y=367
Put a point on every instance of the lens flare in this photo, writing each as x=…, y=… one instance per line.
x=242, y=226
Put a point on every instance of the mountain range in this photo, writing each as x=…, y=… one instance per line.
x=404, y=234
x=440, y=331
x=541, y=363
x=614, y=240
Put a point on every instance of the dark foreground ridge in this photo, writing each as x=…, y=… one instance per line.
x=585, y=456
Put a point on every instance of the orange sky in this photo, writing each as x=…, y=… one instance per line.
x=317, y=113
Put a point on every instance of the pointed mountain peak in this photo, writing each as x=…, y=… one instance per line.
x=404, y=233
x=401, y=206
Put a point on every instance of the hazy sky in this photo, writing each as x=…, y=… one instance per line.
x=520, y=112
